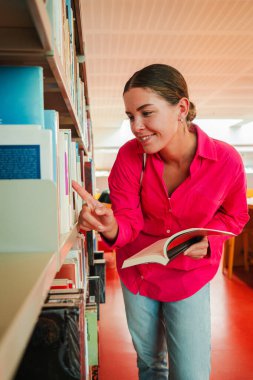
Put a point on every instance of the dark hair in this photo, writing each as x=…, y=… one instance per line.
x=165, y=80
x=191, y=113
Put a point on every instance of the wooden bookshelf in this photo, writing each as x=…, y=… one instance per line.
x=26, y=275
x=25, y=279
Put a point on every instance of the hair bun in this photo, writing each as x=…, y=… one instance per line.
x=192, y=113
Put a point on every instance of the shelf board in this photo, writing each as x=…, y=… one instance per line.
x=27, y=41
x=41, y=20
x=58, y=73
x=66, y=242
x=25, y=279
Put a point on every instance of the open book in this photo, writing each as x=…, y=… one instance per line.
x=165, y=250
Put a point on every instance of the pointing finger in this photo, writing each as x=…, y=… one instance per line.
x=81, y=191
x=86, y=197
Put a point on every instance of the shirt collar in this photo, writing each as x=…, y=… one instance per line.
x=206, y=145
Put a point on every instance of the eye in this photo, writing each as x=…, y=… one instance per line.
x=147, y=113
x=130, y=117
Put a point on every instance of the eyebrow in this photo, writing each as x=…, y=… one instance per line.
x=141, y=107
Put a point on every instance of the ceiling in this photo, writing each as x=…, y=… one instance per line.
x=209, y=41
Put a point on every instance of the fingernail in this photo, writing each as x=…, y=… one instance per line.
x=100, y=228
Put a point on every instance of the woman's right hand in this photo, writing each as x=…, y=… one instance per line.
x=95, y=215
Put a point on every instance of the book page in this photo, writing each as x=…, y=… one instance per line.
x=152, y=253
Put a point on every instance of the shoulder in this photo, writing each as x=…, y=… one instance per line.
x=130, y=153
x=217, y=150
x=128, y=161
x=131, y=147
x=227, y=153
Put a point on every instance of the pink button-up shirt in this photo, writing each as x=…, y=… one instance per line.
x=212, y=196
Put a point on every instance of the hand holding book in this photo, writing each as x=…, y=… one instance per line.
x=197, y=247
x=192, y=242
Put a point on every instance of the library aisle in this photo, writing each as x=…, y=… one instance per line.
x=232, y=331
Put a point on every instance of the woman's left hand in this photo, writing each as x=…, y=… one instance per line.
x=198, y=250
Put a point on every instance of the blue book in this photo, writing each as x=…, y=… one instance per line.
x=25, y=152
x=52, y=123
x=21, y=95
x=20, y=162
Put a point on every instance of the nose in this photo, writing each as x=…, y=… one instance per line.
x=137, y=125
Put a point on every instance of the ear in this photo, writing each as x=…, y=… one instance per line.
x=183, y=107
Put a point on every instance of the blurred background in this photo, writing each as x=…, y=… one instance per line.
x=209, y=41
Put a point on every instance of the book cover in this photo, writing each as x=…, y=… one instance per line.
x=68, y=271
x=52, y=124
x=62, y=283
x=99, y=269
x=64, y=183
x=92, y=333
x=165, y=250
x=21, y=93
x=94, y=292
x=25, y=152
x=89, y=244
x=75, y=256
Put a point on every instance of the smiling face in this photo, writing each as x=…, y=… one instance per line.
x=154, y=121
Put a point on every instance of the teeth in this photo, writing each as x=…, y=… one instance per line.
x=145, y=138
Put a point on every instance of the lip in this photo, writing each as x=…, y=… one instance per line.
x=145, y=139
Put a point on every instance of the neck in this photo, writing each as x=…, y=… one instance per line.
x=182, y=150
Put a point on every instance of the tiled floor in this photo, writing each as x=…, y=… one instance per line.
x=232, y=332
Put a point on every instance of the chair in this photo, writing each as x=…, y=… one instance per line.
x=228, y=255
x=229, y=247
x=247, y=231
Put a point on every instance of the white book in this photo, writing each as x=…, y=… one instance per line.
x=67, y=134
x=73, y=175
x=52, y=123
x=64, y=183
x=25, y=152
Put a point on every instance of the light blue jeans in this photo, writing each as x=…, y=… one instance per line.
x=183, y=327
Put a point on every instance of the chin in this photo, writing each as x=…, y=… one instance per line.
x=150, y=150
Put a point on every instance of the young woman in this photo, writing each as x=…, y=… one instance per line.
x=188, y=180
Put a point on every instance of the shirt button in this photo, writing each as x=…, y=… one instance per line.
x=168, y=231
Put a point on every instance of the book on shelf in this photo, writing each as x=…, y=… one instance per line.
x=69, y=169
x=62, y=283
x=165, y=250
x=99, y=269
x=77, y=200
x=90, y=242
x=52, y=123
x=56, y=347
x=93, y=292
x=64, y=187
x=21, y=93
x=68, y=271
x=26, y=152
x=71, y=269
x=92, y=333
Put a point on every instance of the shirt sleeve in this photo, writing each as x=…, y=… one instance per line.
x=233, y=213
x=124, y=184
